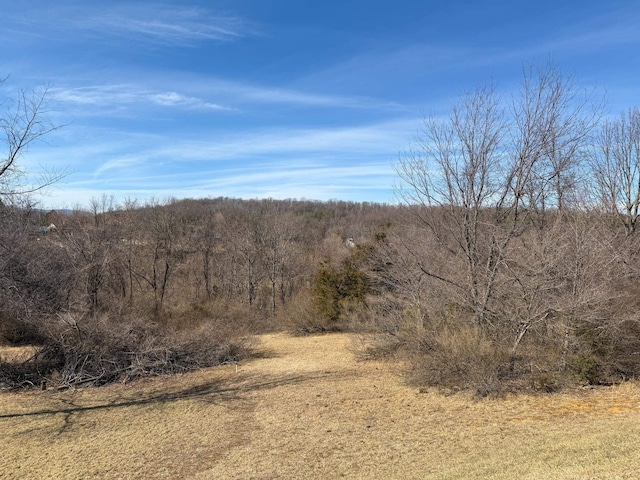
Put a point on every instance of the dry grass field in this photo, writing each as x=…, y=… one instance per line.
x=307, y=409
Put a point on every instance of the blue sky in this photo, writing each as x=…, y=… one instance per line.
x=281, y=98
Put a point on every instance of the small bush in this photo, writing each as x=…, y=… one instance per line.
x=299, y=316
x=460, y=359
x=587, y=368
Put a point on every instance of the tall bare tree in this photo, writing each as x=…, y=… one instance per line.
x=481, y=175
x=277, y=238
x=455, y=176
x=616, y=168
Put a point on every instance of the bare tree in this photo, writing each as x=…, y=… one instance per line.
x=616, y=168
x=163, y=226
x=483, y=175
x=23, y=122
x=130, y=243
x=247, y=232
x=99, y=207
x=455, y=177
x=277, y=239
x=207, y=239
x=553, y=119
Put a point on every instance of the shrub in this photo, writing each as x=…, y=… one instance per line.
x=460, y=359
x=336, y=288
x=587, y=368
x=299, y=316
x=608, y=352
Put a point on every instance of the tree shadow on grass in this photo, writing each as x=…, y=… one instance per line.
x=211, y=392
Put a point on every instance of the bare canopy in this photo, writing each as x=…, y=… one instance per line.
x=22, y=122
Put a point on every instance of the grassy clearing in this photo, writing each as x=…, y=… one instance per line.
x=307, y=409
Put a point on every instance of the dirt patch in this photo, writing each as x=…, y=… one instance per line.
x=307, y=409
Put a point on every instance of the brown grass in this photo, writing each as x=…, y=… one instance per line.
x=307, y=409
x=16, y=354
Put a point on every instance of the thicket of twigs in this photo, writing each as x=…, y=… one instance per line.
x=560, y=314
x=97, y=351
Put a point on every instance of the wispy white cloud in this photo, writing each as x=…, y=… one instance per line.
x=164, y=24
x=121, y=163
x=252, y=93
x=296, y=180
x=96, y=94
x=149, y=23
x=128, y=95
x=361, y=142
x=202, y=94
x=174, y=99
x=396, y=62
